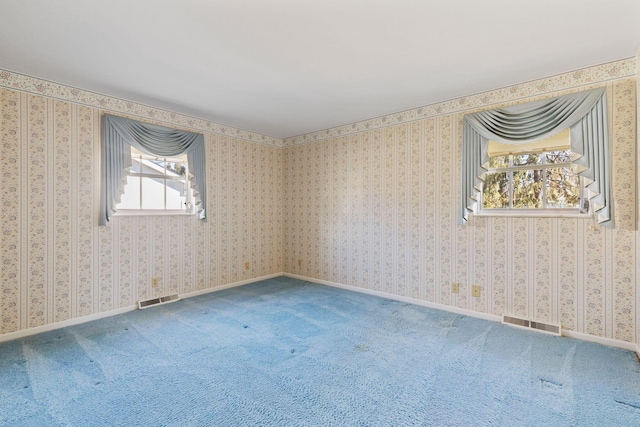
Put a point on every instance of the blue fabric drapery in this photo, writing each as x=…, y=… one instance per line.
x=585, y=113
x=119, y=134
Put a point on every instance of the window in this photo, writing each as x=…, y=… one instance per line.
x=157, y=185
x=171, y=179
x=535, y=182
x=534, y=178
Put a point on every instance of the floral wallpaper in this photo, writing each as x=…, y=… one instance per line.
x=374, y=205
x=23, y=83
x=371, y=204
x=512, y=94
x=57, y=264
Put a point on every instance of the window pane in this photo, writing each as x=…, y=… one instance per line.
x=131, y=197
x=527, y=189
x=152, y=193
x=136, y=165
x=168, y=181
x=563, y=188
x=152, y=167
x=495, y=191
x=527, y=159
x=175, y=194
x=176, y=169
x=160, y=165
x=499, y=162
x=553, y=157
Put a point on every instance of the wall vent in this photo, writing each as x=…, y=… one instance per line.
x=547, y=328
x=158, y=301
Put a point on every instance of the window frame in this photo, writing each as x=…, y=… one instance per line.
x=543, y=212
x=585, y=113
x=139, y=155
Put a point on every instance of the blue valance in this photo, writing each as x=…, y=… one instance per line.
x=120, y=134
x=584, y=112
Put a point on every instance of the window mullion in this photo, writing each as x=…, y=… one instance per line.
x=510, y=181
x=511, y=189
x=140, y=180
x=529, y=167
x=187, y=188
x=149, y=175
x=545, y=174
x=164, y=181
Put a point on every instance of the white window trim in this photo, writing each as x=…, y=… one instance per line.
x=533, y=212
x=159, y=212
x=152, y=212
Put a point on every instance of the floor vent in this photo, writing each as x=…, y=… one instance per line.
x=157, y=301
x=547, y=328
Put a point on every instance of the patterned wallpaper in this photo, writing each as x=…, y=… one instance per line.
x=23, y=83
x=374, y=204
x=512, y=94
x=57, y=264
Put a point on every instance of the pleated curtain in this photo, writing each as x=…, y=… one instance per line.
x=585, y=113
x=119, y=134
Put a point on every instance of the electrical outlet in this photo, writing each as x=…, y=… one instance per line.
x=299, y=263
x=246, y=265
x=476, y=291
x=154, y=282
x=455, y=287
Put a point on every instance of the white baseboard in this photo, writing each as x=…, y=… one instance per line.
x=229, y=285
x=570, y=334
x=59, y=325
x=410, y=300
x=78, y=320
x=84, y=319
x=604, y=341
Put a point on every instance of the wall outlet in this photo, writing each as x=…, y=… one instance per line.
x=299, y=263
x=246, y=265
x=154, y=282
x=455, y=287
x=476, y=290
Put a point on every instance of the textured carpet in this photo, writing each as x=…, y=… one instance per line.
x=283, y=352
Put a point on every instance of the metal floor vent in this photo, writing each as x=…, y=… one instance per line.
x=547, y=328
x=157, y=301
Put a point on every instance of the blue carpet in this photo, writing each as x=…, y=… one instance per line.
x=283, y=352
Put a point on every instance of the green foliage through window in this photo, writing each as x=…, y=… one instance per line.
x=544, y=180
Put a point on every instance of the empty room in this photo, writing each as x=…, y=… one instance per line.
x=319, y=213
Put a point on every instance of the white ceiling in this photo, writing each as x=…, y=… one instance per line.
x=288, y=67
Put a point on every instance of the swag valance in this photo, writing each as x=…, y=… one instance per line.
x=585, y=113
x=120, y=134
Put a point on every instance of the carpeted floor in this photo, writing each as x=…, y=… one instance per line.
x=283, y=352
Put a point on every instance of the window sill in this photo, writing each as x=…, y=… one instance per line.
x=151, y=213
x=529, y=214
